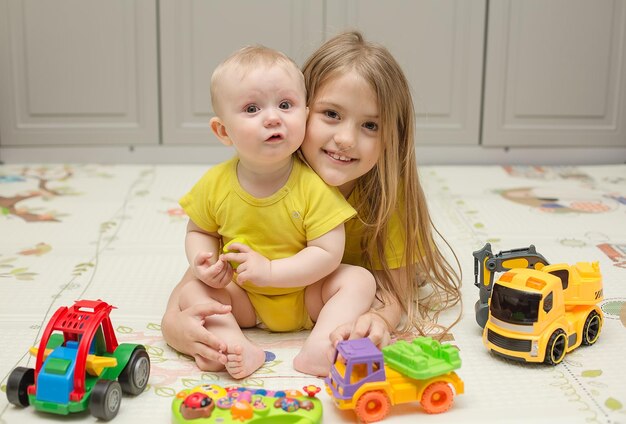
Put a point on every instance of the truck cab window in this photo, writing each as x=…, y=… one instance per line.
x=548, y=302
x=359, y=372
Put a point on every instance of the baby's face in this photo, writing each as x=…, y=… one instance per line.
x=265, y=113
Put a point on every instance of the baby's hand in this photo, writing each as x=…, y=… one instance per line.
x=216, y=275
x=252, y=266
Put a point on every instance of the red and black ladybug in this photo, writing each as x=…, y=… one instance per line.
x=197, y=405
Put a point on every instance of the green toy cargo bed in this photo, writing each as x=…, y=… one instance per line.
x=421, y=359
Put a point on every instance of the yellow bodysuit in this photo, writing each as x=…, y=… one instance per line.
x=276, y=227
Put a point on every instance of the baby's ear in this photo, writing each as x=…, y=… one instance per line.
x=219, y=129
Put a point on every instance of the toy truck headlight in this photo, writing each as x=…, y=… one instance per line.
x=534, y=348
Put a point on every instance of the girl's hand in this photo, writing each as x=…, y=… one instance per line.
x=216, y=275
x=370, y=325
x=189, y=336
x=252, y=266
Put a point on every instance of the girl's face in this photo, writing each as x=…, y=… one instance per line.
x=342, y=140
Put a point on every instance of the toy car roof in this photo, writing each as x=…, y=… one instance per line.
x=359, y=350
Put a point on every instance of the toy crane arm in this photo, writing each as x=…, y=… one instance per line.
x=483, y=276
x=486, y=263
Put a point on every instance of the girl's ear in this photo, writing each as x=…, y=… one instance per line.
x=219, y=129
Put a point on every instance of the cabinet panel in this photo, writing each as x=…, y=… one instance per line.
x=196, y=35
x=439, y=45
x=555, y=73
x=78, y=72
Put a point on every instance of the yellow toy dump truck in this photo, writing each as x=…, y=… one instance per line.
x=540, y=312
x=369, y=381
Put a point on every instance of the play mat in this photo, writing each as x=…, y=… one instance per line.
x=115, y=233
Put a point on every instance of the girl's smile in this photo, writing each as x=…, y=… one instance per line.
x=339, y=157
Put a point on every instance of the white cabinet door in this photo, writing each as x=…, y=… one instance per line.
x=439, y=44
x=78, y=72
x=196, y=35
x=556, y=73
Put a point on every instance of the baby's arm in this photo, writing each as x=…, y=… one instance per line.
x=202, y=249
x=319, y=258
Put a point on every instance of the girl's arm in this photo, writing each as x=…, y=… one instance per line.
x=321, y=257
x=185, y=331
x=380, y=321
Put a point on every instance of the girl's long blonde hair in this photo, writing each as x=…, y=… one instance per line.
x=393, y=184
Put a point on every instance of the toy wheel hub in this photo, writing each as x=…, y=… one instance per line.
x=142, y=372
x=438, y=397
x=373, y=405
x=115, y=401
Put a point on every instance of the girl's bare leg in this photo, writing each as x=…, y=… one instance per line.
x=341, y=297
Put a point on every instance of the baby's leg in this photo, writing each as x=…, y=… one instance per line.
x=341, y=297
x=243, y=357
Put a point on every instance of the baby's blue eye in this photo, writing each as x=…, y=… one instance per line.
x=252, y=109
x=285, y=105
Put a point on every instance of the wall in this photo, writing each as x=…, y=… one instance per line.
x=509, y=81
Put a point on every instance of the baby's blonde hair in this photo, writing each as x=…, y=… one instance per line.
x=393, y=184
x=245, y=60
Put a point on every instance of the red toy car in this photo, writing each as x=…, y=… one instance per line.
x=80, y=365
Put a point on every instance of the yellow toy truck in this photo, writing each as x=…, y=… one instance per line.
x=370, y=381
x=538, y=312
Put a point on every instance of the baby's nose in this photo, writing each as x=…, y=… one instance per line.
x=272, y=119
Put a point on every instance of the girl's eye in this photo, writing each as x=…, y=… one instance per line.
x=372, y=126
x=284, y=105
x=331, y=114
x=251, y=108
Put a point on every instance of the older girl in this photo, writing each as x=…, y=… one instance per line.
x=360, y=138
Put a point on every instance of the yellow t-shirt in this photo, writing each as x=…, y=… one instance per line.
x=394, y=246
x=276, y=227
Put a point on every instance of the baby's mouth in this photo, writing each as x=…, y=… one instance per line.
x=275, y=137
x=337, y=156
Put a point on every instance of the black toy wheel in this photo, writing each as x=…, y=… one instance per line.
x=106, y=397
x=591, y=330
x=134, y=376
x=556, y=348
x=17, y=385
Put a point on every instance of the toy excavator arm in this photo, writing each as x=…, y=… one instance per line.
x=486, y=264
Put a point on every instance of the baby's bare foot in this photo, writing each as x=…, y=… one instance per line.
x=207, y=365
x=241, y=361
x=313, y=360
